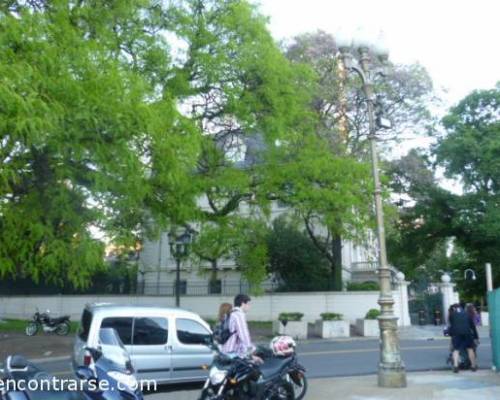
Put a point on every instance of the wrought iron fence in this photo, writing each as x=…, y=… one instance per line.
x=202, y=289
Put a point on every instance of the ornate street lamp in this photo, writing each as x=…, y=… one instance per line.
x=179, y=249
x=391, y=371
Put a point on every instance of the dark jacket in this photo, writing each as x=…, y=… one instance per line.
x=462, y=324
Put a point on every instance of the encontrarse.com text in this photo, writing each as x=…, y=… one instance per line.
x=60, y=384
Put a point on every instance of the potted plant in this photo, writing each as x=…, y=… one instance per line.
x=291, y=324
x=368, y=326
x=331, y=325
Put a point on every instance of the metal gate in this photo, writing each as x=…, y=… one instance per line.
x=425, y=303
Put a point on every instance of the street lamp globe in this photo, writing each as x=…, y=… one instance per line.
x=380, y=47
x=362, y=39
x=343, y=40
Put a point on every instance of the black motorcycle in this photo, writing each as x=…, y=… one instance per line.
x=61, y=326
x=234, y=378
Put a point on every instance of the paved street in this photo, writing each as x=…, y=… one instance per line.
x=347, y=358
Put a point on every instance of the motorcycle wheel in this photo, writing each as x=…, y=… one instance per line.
x=299, y=387
x=206, y=395
x=63, y=329
x=31, y=329
x=284, y=392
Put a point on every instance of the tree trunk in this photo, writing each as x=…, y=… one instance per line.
x=336, y=264
x=213, y=277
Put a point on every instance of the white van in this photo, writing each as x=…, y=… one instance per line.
x=165, y=344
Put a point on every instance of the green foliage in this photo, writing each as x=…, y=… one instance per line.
x=363, y=286
x=438, y=219
x=331, y=316
x=290, y=316
x=87, y=140
x=372, y=313
x=294, y=259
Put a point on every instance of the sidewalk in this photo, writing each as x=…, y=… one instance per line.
x=432, y=332
x=481, y=385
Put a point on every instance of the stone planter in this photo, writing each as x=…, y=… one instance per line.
x=485, y=318
x=295, y=329
x=331, y=329
x=367, y=327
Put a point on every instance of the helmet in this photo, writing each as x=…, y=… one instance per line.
x=282, y=346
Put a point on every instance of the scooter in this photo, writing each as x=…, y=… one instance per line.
x=60, y=326
x=106, y=375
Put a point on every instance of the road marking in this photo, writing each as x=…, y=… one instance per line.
x=346, y=351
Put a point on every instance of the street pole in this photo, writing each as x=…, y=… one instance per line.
x=391, y=371
x=489, y=278
x=177, y=283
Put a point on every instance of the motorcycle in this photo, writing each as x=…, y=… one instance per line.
x=60, y=326
x=107, y=375
x=232, y=377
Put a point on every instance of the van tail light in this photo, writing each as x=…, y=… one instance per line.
x=87, y=358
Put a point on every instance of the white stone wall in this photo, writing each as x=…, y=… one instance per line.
x=264, y=308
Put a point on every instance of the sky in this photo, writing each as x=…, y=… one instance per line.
x=457, y=41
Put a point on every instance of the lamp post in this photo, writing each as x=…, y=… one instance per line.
x=472, y=272
x=179, y=249
x=391, y=371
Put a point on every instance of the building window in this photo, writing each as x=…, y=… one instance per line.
x=182, y=287
x=215, y=287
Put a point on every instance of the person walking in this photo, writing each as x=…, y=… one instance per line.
x=463, y=334
x=240, y=341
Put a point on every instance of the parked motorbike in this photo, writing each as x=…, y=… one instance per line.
x=232, y=377
x=60, y=326
x=107, y=375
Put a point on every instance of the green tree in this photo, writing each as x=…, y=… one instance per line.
x=432, y=217
x=235, y=85
x=470, y=152
x=88, y=138
x=338, y=104
x=295, y=260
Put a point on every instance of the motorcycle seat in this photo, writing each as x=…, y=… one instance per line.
x=273, y=366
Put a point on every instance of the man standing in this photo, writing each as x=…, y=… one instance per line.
x=240, y=341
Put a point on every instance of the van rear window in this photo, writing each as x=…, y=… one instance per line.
x=83, y=332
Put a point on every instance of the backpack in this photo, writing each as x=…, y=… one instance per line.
x=221, y=331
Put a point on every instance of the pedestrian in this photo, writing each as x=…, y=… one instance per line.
x=221, y=331
x=471, y=310
x=224, y=311
x=463, y=334
x=240, y=342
